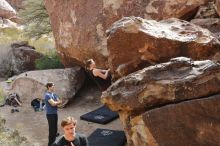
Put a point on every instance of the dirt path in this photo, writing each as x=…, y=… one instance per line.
x=33, y=125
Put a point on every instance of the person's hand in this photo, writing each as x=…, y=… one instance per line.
x=60, y=101
x=61, y=104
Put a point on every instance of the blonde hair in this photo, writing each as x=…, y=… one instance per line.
x=68, y=120
x=88, y=63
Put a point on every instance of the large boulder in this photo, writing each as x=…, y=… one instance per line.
x=140, y=99
x=21, y=58
x=207, y=17
x=6, y=11
x=163, y=9
x=217, y=6
x=16, y=4
x=212, y=24
x=174, y=81
x=31, y=85
x=134, y=43
x=6, y=23
x=207, y=11
x=79, y=26
x=194, y=122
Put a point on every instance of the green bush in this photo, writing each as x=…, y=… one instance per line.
x=49, y=61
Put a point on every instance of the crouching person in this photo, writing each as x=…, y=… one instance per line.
x=70, y=137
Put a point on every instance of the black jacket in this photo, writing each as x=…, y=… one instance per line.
x=80, y=140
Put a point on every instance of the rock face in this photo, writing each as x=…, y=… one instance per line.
x=207, y=11
x=217, y=6
x=212, y=24
x=177, y=80
x=162, y=90
x=16, y=4
x=79, y=26
x=21, y=58
x=207, y=17
x=6, y=11
x=184, y=9
x=31, y=84
x=6, y=23
x=149, y=42
x=193, y=122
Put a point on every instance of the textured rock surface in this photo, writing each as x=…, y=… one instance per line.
x=140, y=99
x=177, y=80
x=20, y=58
x=31, y=84
x=217, y=6
x=79, y=26
x=212, y=24
x=17, y=4
x=207, y=11
x=149, y=42
x=163, y=9
x=207, y=17
x=6, y=11
x=194, y=122
x=6, y=23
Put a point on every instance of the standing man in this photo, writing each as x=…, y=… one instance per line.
x=51, y=102
x=70, y=137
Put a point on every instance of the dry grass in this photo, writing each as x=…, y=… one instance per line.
x=2, y=95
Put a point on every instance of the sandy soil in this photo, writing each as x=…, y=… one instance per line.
x=33, y=125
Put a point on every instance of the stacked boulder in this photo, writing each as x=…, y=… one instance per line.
x=173, y=103
x=20, y=58
x=148, y=42
x=79, y=26
x=8, y=13
x=160, y=100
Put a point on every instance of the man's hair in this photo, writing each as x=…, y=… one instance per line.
x=67, y=121
x=49, y=84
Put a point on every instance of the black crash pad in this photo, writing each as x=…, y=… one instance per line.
x=102, y=115
x=106, y=137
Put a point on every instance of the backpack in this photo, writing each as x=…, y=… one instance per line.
x=10, y=99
